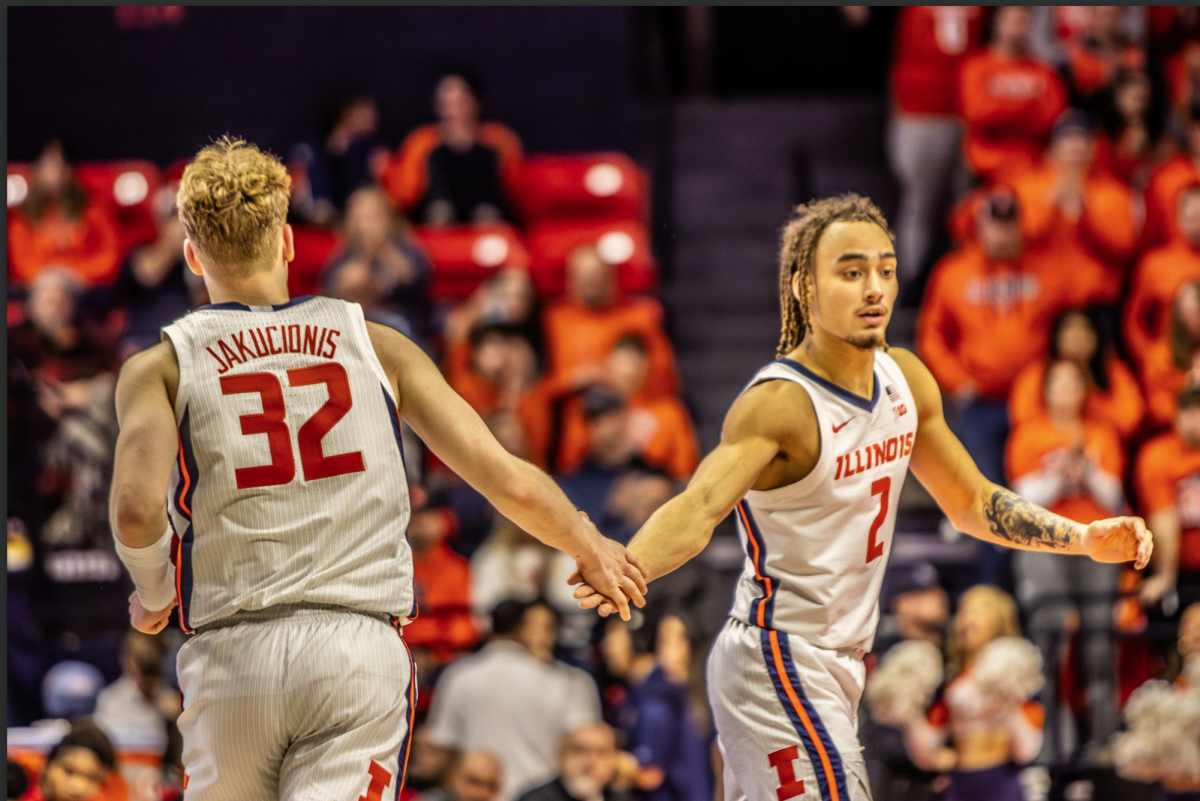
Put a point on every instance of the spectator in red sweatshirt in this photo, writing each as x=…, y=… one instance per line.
x=1009, y=100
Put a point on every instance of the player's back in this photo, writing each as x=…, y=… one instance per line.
x=290, y=485
x=816, y=549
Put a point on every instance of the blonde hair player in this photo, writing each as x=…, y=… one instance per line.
x=264, y=433
x=812, y=458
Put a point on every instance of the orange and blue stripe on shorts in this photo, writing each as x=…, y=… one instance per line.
x=406, y=743
x=826, y=762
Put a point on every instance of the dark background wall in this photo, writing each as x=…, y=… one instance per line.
x=561, y=77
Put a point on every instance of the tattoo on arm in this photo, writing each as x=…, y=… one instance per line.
x=1015, y=519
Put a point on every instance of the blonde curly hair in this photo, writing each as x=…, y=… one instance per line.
x=233, y=201
x=797, y=254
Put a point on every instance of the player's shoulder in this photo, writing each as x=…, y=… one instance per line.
x=156, y=362
x=920, y=380
x=772, y=407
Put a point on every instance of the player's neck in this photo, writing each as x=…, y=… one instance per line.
x=259, y=289
x=851, y=368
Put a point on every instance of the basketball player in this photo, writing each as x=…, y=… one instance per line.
x=812, y=458
x=271, y=428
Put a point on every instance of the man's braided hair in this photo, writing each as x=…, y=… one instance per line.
x=798, y=254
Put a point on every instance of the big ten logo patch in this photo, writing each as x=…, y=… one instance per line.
x=899, y=410
x=783, y=761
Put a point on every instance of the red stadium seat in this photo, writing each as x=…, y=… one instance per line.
x=623, y=243
x=128, y=187
x=463, y=256
x=593, y=186
x=314, y=247
x=19, y=177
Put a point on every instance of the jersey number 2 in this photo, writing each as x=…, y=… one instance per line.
x=883, y=488
x=271, y=422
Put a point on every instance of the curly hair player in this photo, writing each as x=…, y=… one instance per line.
x=812, y=458
x=270, y=427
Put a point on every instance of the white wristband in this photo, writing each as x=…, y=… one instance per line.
x=150, y=569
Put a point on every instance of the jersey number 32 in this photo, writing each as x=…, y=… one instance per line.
x=271, y=421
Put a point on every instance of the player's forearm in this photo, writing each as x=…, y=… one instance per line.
x=532, y=500
x=1005, y=518
x=674, y=534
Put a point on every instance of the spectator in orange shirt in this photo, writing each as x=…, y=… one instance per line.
x=60, y=225
x=1173, y=363
x=1009, y=100
x=1167, y=479
x=987, y=314
x=458, y=169
x=1158, y=277
x=1169, y=180
x=925, y=137
x=1072, y=465
x=1113, y=394
x=442, y=579
x=661, y=427
x=503, y=374
x=1086, y=216
x=582, y=328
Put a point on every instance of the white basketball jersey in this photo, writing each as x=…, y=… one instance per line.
x=290, y=484
x=816, y=549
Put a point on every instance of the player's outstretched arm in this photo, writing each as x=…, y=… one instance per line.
x=991, y=512
x=146, y=449
x=755, y=432
x=519, y=490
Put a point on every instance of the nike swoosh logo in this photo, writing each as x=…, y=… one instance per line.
x=843, y=425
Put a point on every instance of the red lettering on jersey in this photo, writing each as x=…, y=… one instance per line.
x=260, y=342
x=782, y=761
x=293, y=334
x=244, y=353
x=838, y=474
x=893, y=448
x=858, y=467
x=228, y=353
x=908, y=444
x=270, y=342
x=881, y=487
x=380, y=779
x=224, y=366
x=310, y=340
x=332, y=345
x=877, y=449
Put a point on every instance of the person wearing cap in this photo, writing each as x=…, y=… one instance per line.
x=660, y=426
x=1159, y=275
x=987, y=313
x=1008, y=99
x=611, y=451
x=1169, y=180
x=1072, y=207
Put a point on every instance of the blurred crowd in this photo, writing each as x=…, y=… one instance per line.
x=1048, y=230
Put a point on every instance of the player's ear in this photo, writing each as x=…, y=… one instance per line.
x=289, y=244
x=189, y=255
x=799, y=286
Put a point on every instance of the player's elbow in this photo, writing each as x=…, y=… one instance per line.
x=136, y=519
